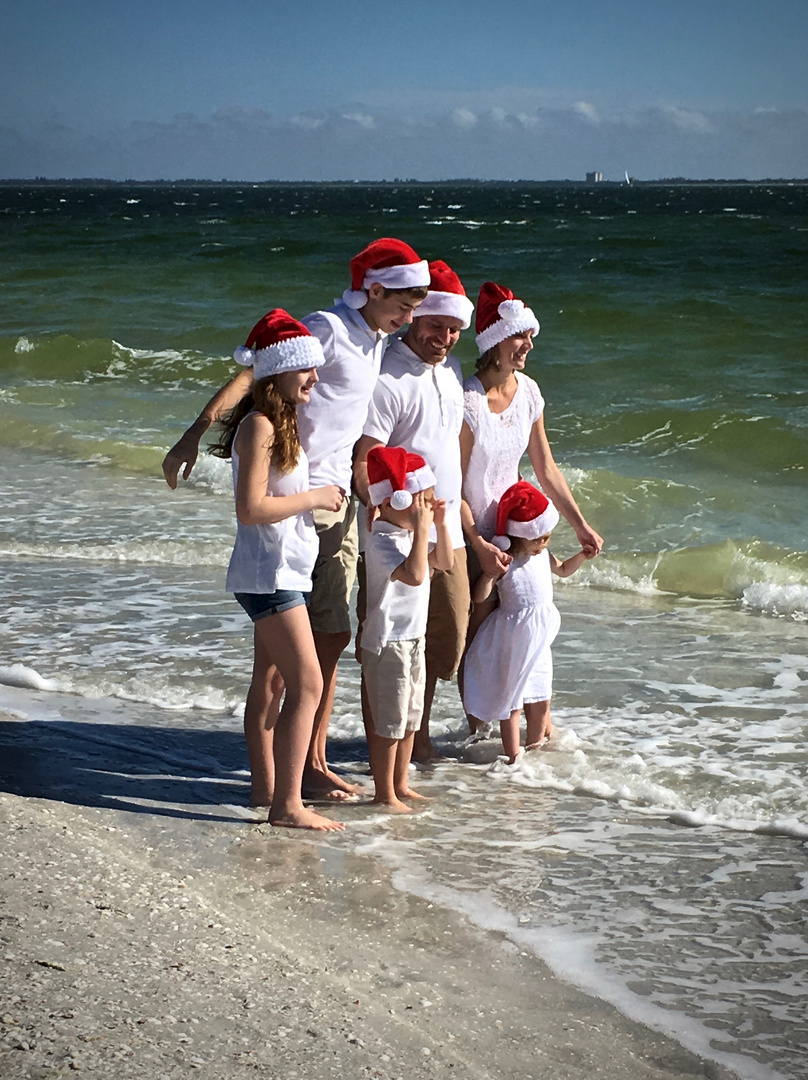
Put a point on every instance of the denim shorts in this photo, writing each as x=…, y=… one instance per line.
x=260, y=605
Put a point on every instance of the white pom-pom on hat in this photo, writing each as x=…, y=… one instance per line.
x=244, y=356
x=401, y=500
x=501, y=542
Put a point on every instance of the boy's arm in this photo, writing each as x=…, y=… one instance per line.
x=186, y=450
x=442, y=555
x=570, y=565
x=414, y=569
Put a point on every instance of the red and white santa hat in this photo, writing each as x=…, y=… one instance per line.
x=446, y=295
x=389, y=262
x=500, y=315
x=396, y=474
x=523, y=511
x=279, y=343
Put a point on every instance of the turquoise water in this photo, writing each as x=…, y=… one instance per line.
x=672, y=357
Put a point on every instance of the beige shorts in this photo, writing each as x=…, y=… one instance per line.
x=335, y=569
x=394, y=683
x=448, y=618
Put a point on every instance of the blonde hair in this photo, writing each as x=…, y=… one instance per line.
x=264, y=397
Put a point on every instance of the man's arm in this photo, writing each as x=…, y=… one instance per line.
x=185, y=451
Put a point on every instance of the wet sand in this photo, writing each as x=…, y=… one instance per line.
x=135, y=944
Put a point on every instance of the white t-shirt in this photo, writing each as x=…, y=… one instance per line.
x=500, y=440
x=420, y=406
x=333, y=419
x=281, y=556
x=395, y=611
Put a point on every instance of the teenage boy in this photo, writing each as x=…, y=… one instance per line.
x=388, y=282
x=418, y=404
x=397, y=561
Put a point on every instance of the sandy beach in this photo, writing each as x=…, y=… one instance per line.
x=137, y=944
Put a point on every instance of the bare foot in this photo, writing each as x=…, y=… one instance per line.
x=537, y=745
x=304, y=818
x=325, y=784
x=411, y=793
x=393, y=806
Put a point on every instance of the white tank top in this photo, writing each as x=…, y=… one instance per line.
x=281, y=556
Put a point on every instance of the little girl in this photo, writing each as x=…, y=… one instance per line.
x=274, y=553
x=509, y=665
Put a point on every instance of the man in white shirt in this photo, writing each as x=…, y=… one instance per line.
x=418, y=404
x=388, y=282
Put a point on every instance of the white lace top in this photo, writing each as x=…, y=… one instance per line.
x=500, y=440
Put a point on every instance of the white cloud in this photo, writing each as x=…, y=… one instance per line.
x=583, y=108
x=362, y=119
x=464, y=118
x=688, y=120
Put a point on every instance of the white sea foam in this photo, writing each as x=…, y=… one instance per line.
x=782, y=600
x=26, y=677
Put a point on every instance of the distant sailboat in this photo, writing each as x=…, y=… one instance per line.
x=628, y=178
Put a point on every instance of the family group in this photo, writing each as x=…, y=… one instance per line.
x=363, y=403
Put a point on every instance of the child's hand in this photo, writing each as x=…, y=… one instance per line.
x=439, y=511
x=421, y=511
x=327, y=498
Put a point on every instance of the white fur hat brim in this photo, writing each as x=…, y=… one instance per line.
x=291, y=354
x=514, y=318
x=453, y=305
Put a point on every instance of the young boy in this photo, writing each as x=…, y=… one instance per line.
x=398, y=559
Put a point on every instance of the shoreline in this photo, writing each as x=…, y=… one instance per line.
x=151, y=945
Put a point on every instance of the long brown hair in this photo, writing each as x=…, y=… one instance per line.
x=265, y=398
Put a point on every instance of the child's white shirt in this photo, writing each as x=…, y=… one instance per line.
x=395, y=611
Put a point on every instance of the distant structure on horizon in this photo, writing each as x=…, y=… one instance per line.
x=594, y=177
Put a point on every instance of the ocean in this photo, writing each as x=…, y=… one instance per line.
x=656, y=853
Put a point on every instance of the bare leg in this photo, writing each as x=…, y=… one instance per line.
x=422, y=748
x=286, y=641
x=260, y=715
x=509, y=731
x=383, y=755
x=479, y=613
x=401, y=774
x=318, y=779
x=539, y=724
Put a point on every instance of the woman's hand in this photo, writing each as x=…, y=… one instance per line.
x=327, y=498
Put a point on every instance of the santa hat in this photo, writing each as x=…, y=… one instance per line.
x=389, y=262
x=500, y=315
x=446, y=295
x=395, y=474
x=523, y=511
x=279, y=343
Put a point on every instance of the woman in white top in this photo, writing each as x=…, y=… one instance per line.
x=273, y=557
x=503, y=420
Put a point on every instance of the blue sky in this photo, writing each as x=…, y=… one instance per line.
x=253, y=90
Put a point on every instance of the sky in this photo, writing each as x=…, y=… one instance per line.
x=423, y=89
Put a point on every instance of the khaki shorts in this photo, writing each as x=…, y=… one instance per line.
x=448, y=619
x=394, y=682
x=335, y=569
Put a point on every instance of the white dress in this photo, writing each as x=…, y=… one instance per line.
x=510, y=662
x=500, y=441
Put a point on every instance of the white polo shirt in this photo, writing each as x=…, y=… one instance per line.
x=420, y=406
x=333, y=419
x=395, y=611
